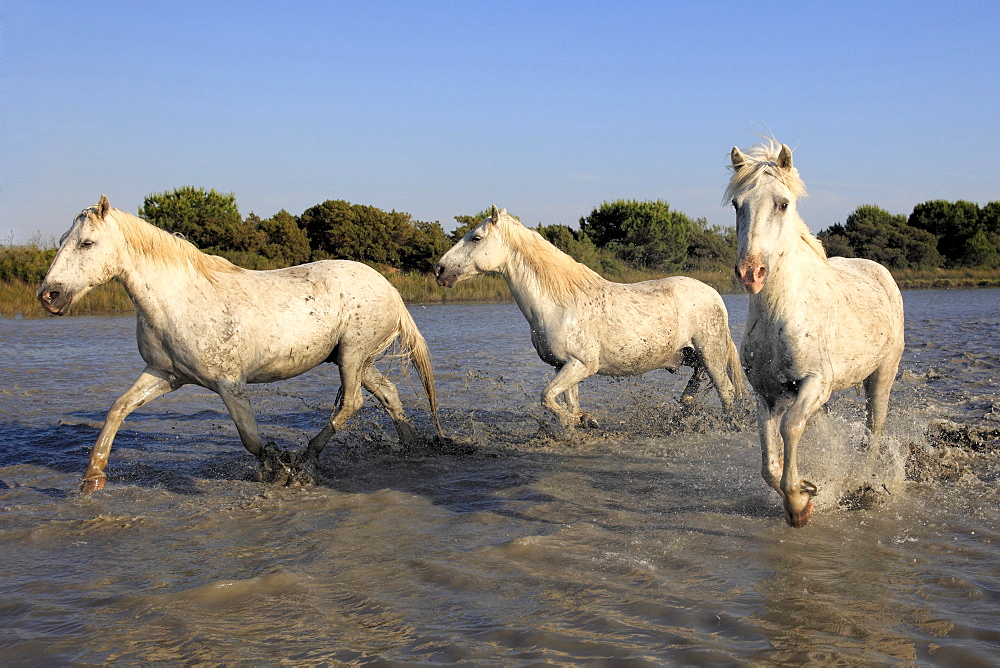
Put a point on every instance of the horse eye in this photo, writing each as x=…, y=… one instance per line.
x=86, y=243
x=783, y=206
x=477, y=238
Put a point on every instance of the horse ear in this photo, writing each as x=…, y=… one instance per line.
x=103, y=207
x=737, y=157
x=495, y=213
x=785, y=157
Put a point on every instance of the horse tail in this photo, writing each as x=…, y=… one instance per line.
x=734, y=369
x=414, y=343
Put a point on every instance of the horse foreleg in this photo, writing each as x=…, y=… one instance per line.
x=147, y=387
x=568, y=377
x=386, y=393
x=768, y=424
x=798, y=493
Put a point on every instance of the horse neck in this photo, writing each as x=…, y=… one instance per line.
x=526, y=286
x=157, y=286
x=798, y=276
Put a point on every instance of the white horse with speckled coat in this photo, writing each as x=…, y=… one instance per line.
x=815, y=325
x=202, y=320
x=585, y=325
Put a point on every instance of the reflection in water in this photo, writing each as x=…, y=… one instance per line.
x=650, y=540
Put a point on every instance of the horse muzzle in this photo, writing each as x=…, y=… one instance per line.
x=751, y=274
x=53, y=299
x=444, y=279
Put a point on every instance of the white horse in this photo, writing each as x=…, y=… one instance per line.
x=815, y=325
x=204, y=321
x=583, y=324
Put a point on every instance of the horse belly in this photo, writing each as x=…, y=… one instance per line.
x=634, y=352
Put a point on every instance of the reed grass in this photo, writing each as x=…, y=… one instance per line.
x=915, y=279
x=17, y=298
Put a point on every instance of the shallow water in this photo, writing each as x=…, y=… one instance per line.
x=651, y=540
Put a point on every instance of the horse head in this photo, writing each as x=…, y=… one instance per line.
x=763, y=190
x=87, y=257
x=480, y=251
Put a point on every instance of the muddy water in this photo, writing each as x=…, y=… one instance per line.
x=651, y=540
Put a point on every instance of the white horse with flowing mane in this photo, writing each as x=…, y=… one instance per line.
x=202, y=320
x=815, y=325
x=583, y=324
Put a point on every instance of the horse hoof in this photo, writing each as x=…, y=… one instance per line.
x=799, y=520
x=90, y=485
x=588, y=422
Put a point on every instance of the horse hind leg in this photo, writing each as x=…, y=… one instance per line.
x=713, y=358
x=689, y=396
x=572, y=399
x=349, y=401
x=388, y=396
x=877, y=389
x=565, y=383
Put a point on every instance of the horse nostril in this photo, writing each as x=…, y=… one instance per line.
x=49, y=296
x=438, y=269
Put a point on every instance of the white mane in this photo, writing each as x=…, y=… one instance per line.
x=558, y=274
x=161, y=246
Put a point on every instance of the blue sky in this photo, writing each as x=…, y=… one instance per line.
x=440, y=109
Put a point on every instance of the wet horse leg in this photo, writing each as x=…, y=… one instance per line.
x=349, y=401
x=386, y=393
x=768, y=423
x=567, y=378
x=150, y=385
x=234, y=394
x=798, y=493
x=690, y=394
x=877, y=388
x=711, y=356
x=572, y=399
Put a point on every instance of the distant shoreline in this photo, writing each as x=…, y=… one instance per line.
x=17, y=298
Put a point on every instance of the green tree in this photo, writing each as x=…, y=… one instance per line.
x=878, y=235
x=207, y=218
x=952, y=223
x=644, y=234
x=357, y=232
x=424, y=245
x=578, y=245
x=285, y=242
x=835, y=241
x=710, y=248
x=363, y=233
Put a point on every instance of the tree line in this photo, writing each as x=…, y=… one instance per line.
x=613, y=238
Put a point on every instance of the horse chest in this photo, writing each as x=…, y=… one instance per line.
x=777, y=354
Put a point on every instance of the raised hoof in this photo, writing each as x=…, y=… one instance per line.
x=799, y=520
x=91, y=485
x=588, y=421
